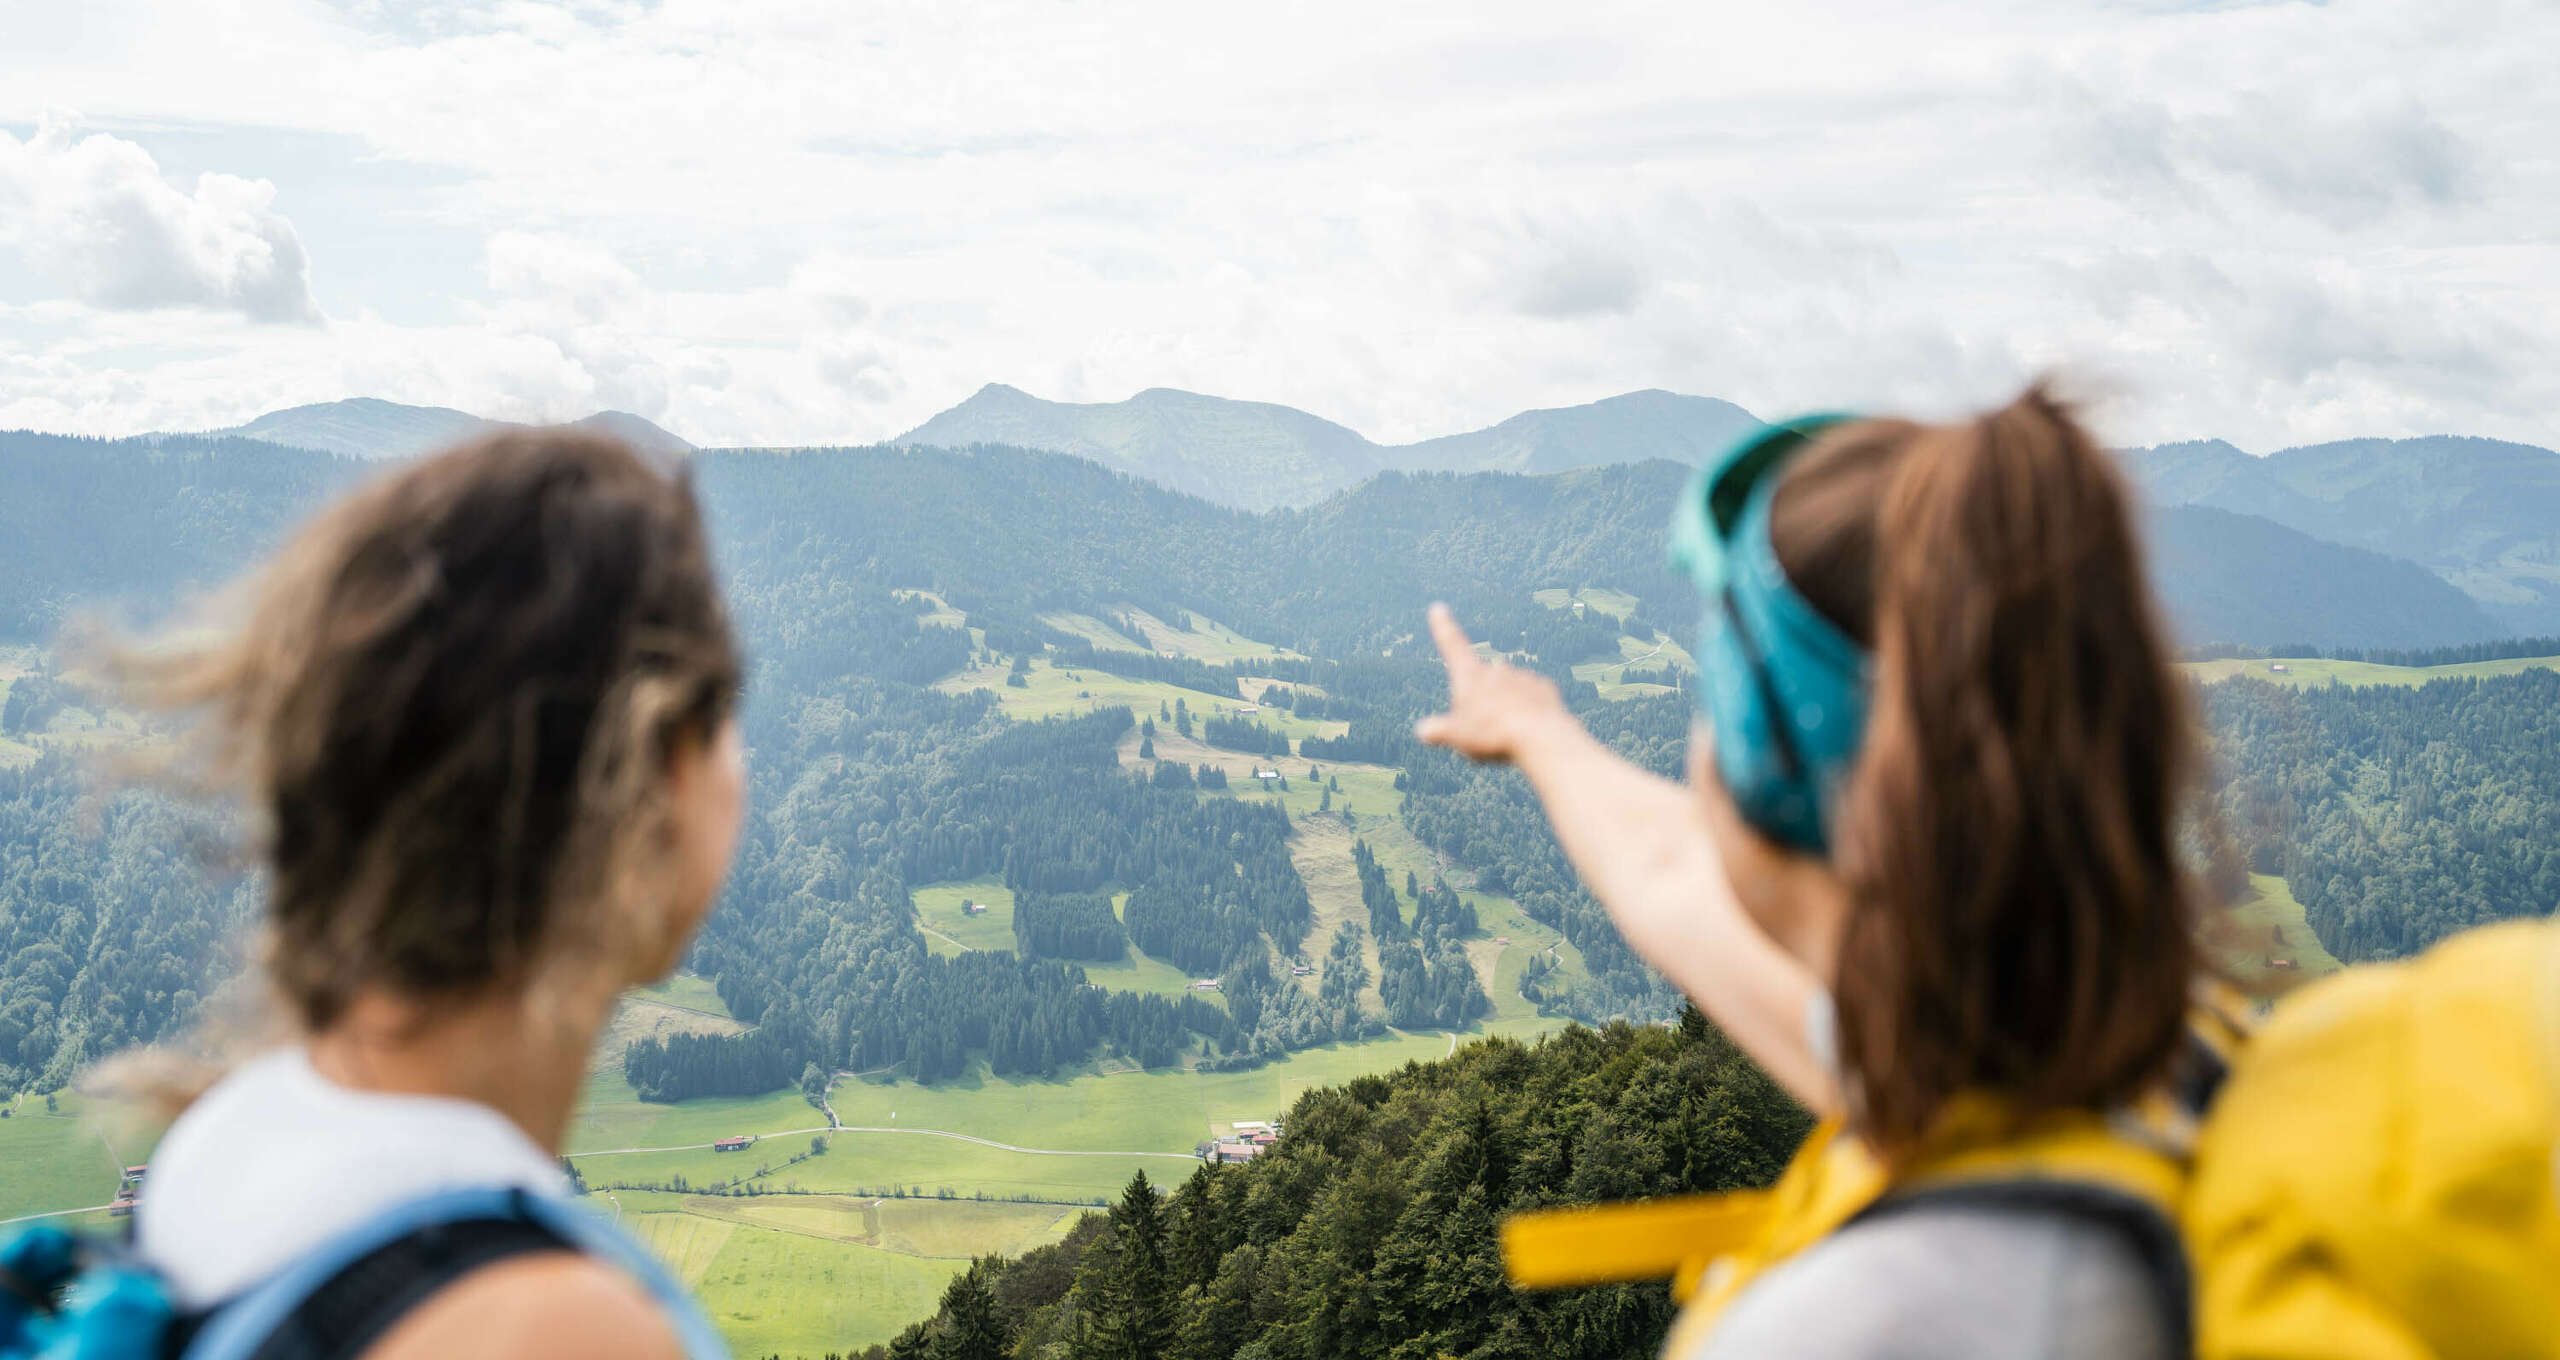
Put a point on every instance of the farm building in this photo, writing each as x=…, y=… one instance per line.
x=973, y=908
x=133, y=1174
x=1300, y=970
x=2278, y=667
x=1234, y=1150
x=736, y=1144
x=126, y=1202
x=1204, y=984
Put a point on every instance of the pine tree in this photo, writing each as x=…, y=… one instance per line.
x=972, y=1324
x=1197, y=1237
x=1128, y=1293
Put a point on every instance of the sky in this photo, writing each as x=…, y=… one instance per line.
x=821, y=221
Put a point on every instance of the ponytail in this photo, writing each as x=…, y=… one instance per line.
x=2022, y=921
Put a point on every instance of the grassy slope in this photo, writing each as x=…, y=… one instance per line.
x=1207, y=639
x=1607, y=675
x=949, y=931
x=2266, y=925
x=68, y=1160
x=805, y=1274
x=1051, y=692
x=2304, y=671
x=686, y=990
x=611, y=1116
x=787, y=1293
x=1617, y=604
x=1101, y=634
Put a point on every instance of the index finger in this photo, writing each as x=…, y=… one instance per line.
x=1456, y=652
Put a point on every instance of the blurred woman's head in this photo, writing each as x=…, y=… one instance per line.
x=2017, y=918
x=480, y=712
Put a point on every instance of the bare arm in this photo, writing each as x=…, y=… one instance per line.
x=1647, y=848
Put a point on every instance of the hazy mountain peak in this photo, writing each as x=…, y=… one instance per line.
x=370, y=427
x=1257, y=454
x=1628, y=428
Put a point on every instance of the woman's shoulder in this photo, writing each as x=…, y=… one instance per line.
x=1953, y=1280
x=554, y=1304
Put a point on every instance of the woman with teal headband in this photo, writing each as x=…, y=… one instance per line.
x=1923, y=870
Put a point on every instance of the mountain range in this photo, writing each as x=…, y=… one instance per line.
x=1259, y=456
x=2370, y=542
x=2483, y=514
x=369, y=427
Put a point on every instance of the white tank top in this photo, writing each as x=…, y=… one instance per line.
x=276, y=1159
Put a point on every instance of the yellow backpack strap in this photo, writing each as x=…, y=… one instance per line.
x=1627, y=1243
x=1682, y=1238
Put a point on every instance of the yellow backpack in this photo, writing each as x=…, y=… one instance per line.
x=2373, y=1181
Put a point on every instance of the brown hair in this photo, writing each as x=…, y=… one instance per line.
x=2019, y=920
x=447, y=703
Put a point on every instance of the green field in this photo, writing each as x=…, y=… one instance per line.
x=1207, y=639
x=2310, y=671
x=686, y=990
x=73, y=1159
x=942, y=615
x=1617, y=604
x=2267, y=925
x=949, y=930
x=1050, y=692
x=1609, y=676
x=611, y=1115
x=773, y=1292
x=1099, y=632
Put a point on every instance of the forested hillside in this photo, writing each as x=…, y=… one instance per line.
x=111, y=930
x=2398, y=815
x=1368, y=1230
x=868, y=581
x=2228, y=577
x=87, y=521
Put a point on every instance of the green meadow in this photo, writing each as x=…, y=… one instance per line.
x=71, y=1158
x=950, y=929
x=2312, y=671
x=1052, y=692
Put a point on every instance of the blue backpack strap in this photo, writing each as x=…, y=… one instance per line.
x=243, y=1328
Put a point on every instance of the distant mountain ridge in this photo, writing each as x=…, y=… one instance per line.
x=2229, y=577
x=369, y=427
x=1260, y=455
x=2483, y=514
x=141, y=520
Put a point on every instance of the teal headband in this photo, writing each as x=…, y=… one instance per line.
x=1781, y=686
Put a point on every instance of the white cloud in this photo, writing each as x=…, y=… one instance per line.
x=782, y=221
x=94, y=216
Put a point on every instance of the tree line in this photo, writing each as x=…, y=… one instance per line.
x=1369, y=1231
